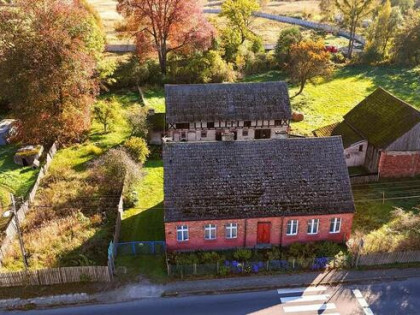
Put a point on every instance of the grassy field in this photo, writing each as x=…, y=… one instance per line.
x=144, y=222
x=13, y=179
x=71, y=222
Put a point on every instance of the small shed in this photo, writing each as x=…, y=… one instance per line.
x=28, y=155
x=6, y=126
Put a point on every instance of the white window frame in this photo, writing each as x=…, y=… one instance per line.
x=183, y=229
x=313, y=226
x=230, y=227
x=211, y=230
x=335, y=223
x=293, y=224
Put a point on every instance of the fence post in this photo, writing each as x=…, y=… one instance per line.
x=268, y=265
x=133, y=248
x=293, y=263
x=217, y=267
x=153, y=247
x=195, y=268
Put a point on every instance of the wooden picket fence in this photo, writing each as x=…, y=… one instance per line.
x=56, y=276
x=388, y=258
x=364, y=179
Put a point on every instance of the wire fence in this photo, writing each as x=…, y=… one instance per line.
x=141, y=248
x=254, y=267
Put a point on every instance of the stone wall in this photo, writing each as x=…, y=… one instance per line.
x=247, y=232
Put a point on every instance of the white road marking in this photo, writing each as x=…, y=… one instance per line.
x=362, y=302
x=306, y=308
x=304, y=298
x=301, y=290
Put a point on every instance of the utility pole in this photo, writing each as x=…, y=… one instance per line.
x=22, y=247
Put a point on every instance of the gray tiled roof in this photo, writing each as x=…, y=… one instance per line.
x=263, y=178
x=227, y=101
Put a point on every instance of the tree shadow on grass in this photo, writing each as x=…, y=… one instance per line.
x=146, y=225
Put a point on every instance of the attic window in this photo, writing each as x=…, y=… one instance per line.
x=210, y=124
x=245, y=133
x=203, y=134
x=247, y=123
x=182, y=126
x=361, y=148
x=277, y=122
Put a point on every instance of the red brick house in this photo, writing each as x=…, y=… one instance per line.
x=232, y=194
x=382, y=134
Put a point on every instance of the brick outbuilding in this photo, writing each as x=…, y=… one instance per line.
x=233, y=194
x=382, y=134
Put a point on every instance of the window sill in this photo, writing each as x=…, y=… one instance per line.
x=335, y=232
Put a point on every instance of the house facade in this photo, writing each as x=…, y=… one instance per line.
x=221, y=195
x=381, y=134
x=230, y=111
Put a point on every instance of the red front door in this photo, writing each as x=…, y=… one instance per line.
x=263, y=232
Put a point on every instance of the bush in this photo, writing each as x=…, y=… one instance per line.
x=242, y=254
x=137, y=148
x=211, y=258
x=186, y=259
x=137, y=120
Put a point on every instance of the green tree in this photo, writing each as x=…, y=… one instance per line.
x=407, y=41
x=288, y=37
x=105, y=113
x=353, y=12
x=239, y=15
x=308, y=59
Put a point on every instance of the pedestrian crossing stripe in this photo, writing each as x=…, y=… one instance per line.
x=304, y=298
x=306, y=308
x=301, y=290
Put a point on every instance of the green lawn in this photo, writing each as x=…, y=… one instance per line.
x=155, y=98
x=144, y=222
x=153, y=267
x=13, y=179
x=327, y=101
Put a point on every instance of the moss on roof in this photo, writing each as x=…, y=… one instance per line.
x=382, y=118
x=348, y=135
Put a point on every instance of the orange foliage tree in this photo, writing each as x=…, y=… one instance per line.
x=308, y=59
x=164, y=26
x=48, y=68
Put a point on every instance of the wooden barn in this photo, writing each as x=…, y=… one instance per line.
x=382, y=134
x=234, y=111
x=257, y=193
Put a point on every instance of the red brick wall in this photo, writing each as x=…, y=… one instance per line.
x=247, y=232
x=399, y=164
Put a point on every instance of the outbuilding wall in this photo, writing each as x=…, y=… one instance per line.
x=393, y=164
x=247, y=232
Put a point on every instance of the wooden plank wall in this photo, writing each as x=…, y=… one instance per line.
x=55, y=276
x=389, y=258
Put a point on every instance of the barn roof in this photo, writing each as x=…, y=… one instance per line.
x=348, y=135
x=227, y=101
x=249, y=179
x=381, y=118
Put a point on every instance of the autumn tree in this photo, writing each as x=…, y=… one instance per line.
x=49, y=51
x=239, y=15
x=328, y=9
x=353, y=12
x=308, y=59
x=164, y=26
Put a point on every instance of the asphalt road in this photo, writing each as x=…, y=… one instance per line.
x=396, y=297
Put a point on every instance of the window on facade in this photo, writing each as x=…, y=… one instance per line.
x=361, y=148
x=292, y=227
x=182, y=126
x=313, y=226
x=277, y=122
x=245, y=133
x=335, y=225
x=182, y=233
x=183, y=136
x=210, y=124
x=247, y=123
x=263, y=134
x=210, y=232
x=203, y=134
x=232, y=230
